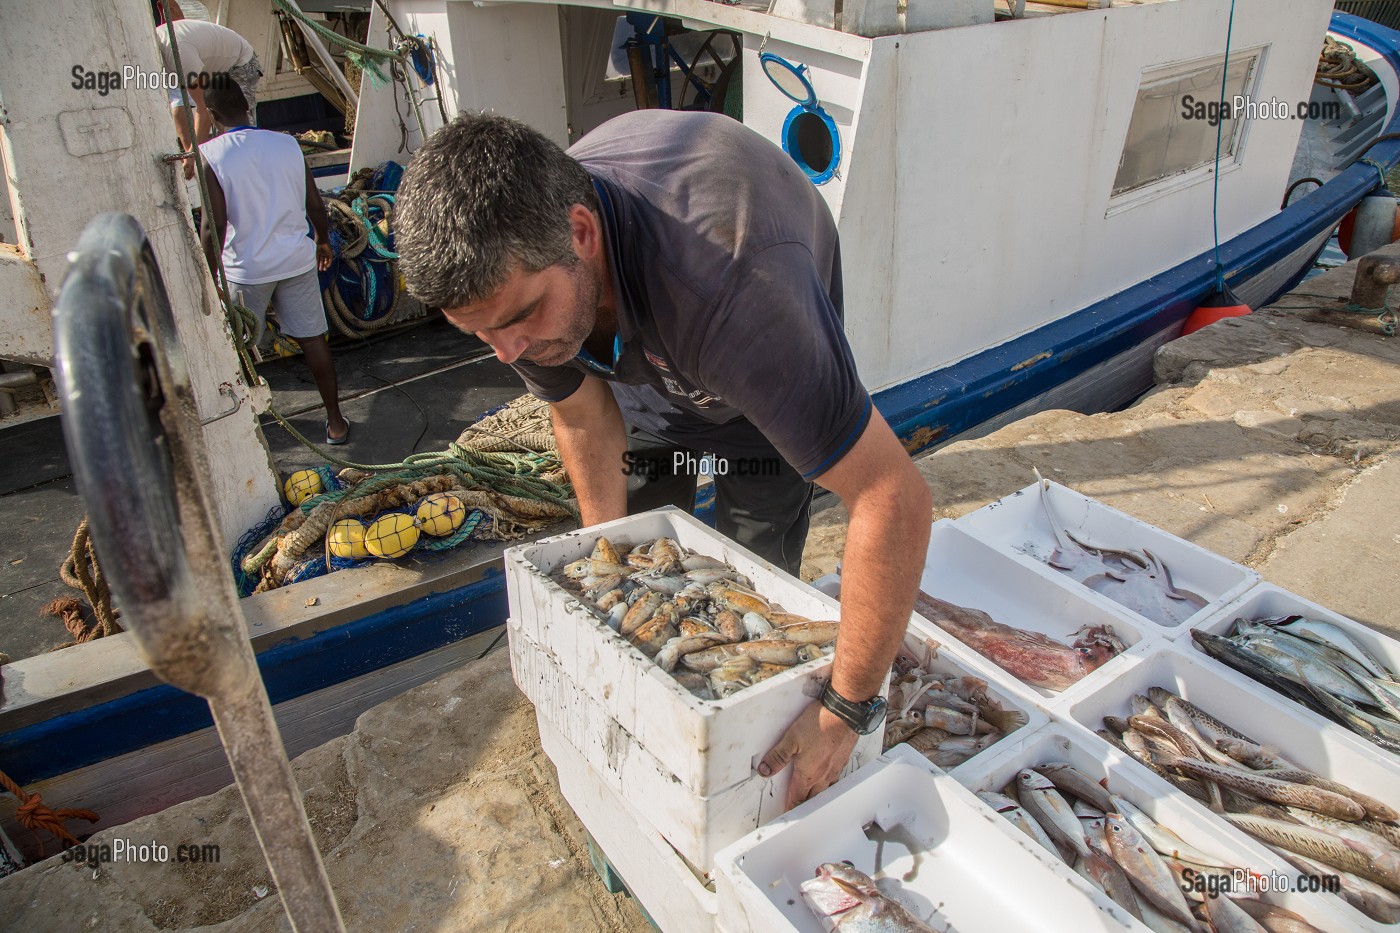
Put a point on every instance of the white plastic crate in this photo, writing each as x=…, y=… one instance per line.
x=1160, y=801
x=677, y=900
x=697, y=826
x=1017, y=525
x=967, y=572
x=1267, y=601
x=706, y=745
x=957, y=660
x=1258, y=713
x=973, y=872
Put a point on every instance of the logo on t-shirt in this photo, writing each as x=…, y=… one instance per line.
x=660, y=364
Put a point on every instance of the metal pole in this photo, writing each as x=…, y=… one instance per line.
x=139, y=461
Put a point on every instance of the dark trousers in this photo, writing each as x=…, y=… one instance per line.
x=761, y=503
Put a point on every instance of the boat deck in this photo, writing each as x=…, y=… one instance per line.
x=1272, y=439
x=407, y=392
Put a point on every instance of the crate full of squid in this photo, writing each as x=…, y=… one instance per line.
x=695, y=651
x=944, y=703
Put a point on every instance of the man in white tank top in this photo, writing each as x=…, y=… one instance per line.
x=261, y=195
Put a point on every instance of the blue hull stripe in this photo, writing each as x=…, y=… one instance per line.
x=155, y=714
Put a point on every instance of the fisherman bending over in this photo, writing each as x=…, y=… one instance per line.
x=676, y=284
x=211, y=53
x=261, y=194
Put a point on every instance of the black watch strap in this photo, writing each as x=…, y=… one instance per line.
x=863, y=717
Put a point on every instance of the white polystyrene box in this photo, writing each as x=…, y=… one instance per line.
x=1017, y=525
x=958, y=660
x=1160, y=801
x=963, y=570
x=974, y=871
x=1254, y=711
x=707, y=745
x=1267, y=601
x=697, y=826
x=654, y=873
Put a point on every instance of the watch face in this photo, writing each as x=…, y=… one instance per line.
x=878, y=707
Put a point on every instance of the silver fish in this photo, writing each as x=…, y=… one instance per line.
x=1226, y=917
x=1076, y=783
x=1299, y=663
x=1163, y=840
x=1104, y=872
x=1366, y=896
x=1019, y=818
x=847, y=901
x=1042, y=801
x=1273, y=918
x=1147, y=870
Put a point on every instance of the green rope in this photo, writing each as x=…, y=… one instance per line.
x=458, y=536
x=512, y=474
x=1385, y=315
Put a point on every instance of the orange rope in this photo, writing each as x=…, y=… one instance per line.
x=34, y=816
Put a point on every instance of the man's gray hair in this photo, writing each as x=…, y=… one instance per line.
x=483, y=193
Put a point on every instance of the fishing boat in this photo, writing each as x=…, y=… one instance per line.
x=1031, y=199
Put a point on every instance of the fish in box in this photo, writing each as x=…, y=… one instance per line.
x=1046, y=640
x=1281, y=741
x=1339, y=669
x=707, y=746
x=1164, y=582
x=1156, y=853
x=695, y=825
x=945, y=703
x=926, y=842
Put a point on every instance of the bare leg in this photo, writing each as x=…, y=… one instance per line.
x=318, y=357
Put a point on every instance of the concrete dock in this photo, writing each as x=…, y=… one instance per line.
x=1270, y=439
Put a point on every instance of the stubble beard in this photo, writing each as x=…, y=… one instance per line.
x=584, y=316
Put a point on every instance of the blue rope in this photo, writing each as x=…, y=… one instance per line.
x=1219, y=130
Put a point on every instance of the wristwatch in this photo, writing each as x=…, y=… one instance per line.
x=863, y=718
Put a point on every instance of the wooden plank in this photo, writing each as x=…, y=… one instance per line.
x=149, y=780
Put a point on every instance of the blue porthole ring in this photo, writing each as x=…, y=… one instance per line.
x=810, y=137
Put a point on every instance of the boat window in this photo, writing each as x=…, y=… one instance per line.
x=809, y=134
x=1176, y=118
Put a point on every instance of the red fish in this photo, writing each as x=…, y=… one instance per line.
x=1037, y=659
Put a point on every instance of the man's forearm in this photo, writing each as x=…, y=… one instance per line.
x=591, y=442
x=203, y=124
x=884, y=558
x=184, y=129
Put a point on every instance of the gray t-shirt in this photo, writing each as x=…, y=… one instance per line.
x=727, y=274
